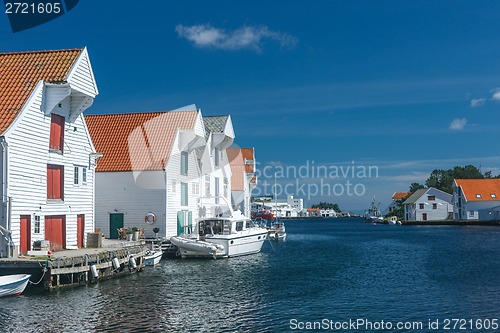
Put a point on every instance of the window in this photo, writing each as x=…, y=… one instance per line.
x=184, y=194
x=217, y=193
x=76, y=178
x=431, y=197
x=55, y=182
x=434, y=206
x=80, y=175
x=37, y=224
x=216, y=157
x=207, y=186
x=195, y=188
x=471, y=213
x=479, y=196
x=421, y=206
x=239, y=226
x=493, y=195
x=184, y=163
x=56, y=141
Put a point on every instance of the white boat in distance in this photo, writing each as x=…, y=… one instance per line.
x=230, y=234
x=13, y=285
x=373, y=214
x=278, y=232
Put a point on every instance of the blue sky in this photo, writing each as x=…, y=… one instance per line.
x=404, y=86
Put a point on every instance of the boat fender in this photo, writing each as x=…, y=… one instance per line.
x=132, y=262
x=116, y=263
x=93, y=269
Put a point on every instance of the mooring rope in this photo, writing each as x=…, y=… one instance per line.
x=44, y=268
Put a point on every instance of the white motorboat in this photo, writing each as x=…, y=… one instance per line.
x=227, y=235
x=277, y=232
x=152, y=258
x=13, y=285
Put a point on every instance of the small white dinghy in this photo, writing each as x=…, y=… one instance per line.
x=152, y=258
x=195, y=245
x=13, y=285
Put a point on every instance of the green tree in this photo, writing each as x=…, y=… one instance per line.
x=326, y=205
x=443, y=179
x=414, y=187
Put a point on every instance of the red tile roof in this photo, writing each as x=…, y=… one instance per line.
x=20, y=72
x=480, y=189
x=136, y=141
x=400, y=195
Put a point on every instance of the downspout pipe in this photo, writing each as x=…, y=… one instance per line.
x=5, y=211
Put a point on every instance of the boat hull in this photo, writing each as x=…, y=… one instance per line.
x=13, y=285
x=233, y=245
x=153, y=258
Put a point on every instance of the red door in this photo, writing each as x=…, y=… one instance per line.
x=25, y=245
x=424, y=216
x=55, y=231
x=80, y=229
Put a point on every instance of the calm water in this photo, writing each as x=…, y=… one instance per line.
x=326, y=270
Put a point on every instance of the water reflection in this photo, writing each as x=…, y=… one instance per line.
x=329, y=270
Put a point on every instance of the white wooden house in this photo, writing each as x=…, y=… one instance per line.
x=46, y=155
x=149, y=175
x=476, y=199
x=214, y=165
x=243, y=178
x=397, y=200
x=428, y=204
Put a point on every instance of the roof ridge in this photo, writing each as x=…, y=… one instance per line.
x=41, y=51
x=135, y=113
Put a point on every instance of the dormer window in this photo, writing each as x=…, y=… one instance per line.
x=493, y=195
x=479, y=196
x=56, y=142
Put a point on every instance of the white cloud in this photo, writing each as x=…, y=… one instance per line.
x=458, y=124
x=248, y=37
x=477, y=102
x=496, y=94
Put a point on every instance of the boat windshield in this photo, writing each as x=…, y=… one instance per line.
x=214, y=227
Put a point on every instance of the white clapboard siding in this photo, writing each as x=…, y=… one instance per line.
x=81, y=77
x=174, y=197
x=118, y=192
x=28, y=156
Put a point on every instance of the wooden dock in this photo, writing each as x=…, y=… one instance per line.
x=70, y=268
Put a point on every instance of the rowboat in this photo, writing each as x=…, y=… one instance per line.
x=13, y=285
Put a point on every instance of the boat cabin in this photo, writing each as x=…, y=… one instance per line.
x=222, y=226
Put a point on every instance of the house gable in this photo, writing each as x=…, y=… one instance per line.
x=22, y=74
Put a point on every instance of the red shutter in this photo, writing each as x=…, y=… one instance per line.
x=56, y=132
x=55, y=182
x=80, y=228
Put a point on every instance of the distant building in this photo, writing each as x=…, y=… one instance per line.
x=397, y=199
x=298, y=204
x=476, y=199
x=243, y=179
x=314, y=212
x=328, y=212
x=428, y=204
